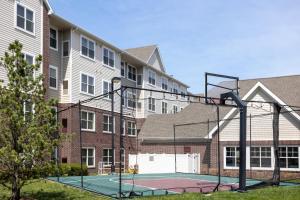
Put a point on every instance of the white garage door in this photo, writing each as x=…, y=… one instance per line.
x=165, y=163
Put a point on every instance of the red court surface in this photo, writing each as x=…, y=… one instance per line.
x=180, y=185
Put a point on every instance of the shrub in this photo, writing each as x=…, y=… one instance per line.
x=73, y=169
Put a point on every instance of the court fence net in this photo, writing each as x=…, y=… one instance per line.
x=190, y=147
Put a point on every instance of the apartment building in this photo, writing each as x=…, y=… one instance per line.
x=79, y=65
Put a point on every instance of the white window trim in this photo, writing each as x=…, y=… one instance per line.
x=15, y=19
x=142, y=79
x=124, y=127
x=292, y=169
x=87, y=57
x=114, y=152
x=162, y=107
x=33, y=58
x=62, y=48
x=152, y=111
x=24, y=110
x=135, y=129
x=127, y=99
x=94, y=121
x=151, y=71
x=91, y=166
x=56, y=74
x=173, y=109
x=262, y=168
x=87, y=93
x=54, y=28
x=110, y=67
x=224, y=158
x=109, y=85
x=167, y=82
x=124, y=65
x=128, y=72
x=114, y=125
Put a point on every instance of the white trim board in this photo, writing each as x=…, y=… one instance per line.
x=253, y=89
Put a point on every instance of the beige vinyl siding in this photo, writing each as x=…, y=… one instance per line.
x=95, y=68
x=31, y=43
x=262, y=129
x=66, y=68
x=55, y=60
x=154, y=61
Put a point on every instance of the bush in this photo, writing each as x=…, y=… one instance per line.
x=73, y=169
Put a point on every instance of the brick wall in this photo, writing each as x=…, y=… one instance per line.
x=98, y=139
x=46, y=40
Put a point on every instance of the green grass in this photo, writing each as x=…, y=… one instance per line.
x=47, y=190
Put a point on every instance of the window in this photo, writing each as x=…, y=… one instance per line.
x=151, y=78
x=260, y=157
x=289, y=157
x=123, y=127
x=122, y=69
x=175, y=89
x=175, y=109
x=66, y=48
x=53, y=38
x=164, y=107
x=107, y=123
x=53, y=77
x=88, y=157
x=107, y=157
x=131, y=129
x=151, y=104
x=182, y=94
x=108, y=57
x=87, y=121
x=65, y=87
x=131, y=73
x=106, y=89
x=30, y=61
x=25, y=18
x=87, y=48
x=232, y=156
x=164, y=83
x=139, y=79
x=87, y=84
x=123, y=157
x=131, y=99
x=28, y=110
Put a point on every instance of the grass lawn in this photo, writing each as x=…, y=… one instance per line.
x=46, y=190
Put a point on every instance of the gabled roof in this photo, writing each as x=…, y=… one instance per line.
x=144, y=53
x=285, y=89
x=50, y=10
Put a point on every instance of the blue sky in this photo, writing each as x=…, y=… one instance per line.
x=248, y=39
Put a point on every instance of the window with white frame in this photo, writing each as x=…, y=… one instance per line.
x=289, y=157
x=28, y=110
x=151, y=104
x=30, y=61
x=232, y=157
x=107, y=157
x=175, y=88
x=53, y=38
x=182, y=94
x=151, y=78
x=131, y=73
x=175, y=109
x=164, y=107
x=66, y=48
x=164, y=83
x=25, y=18
x=261, y=157
x=131, y=128
x=131, y=98
x=122, y=69
x=87, y=120
x=87, y=47
x=139, y=79
x=107, y=123
x=123, y=157
x=123, y=127
x=108, y=57
x=106, y=88
x=88, y=157
x=53, y=77
x=87, y=84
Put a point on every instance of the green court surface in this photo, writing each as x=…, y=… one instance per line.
x=150, y=184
